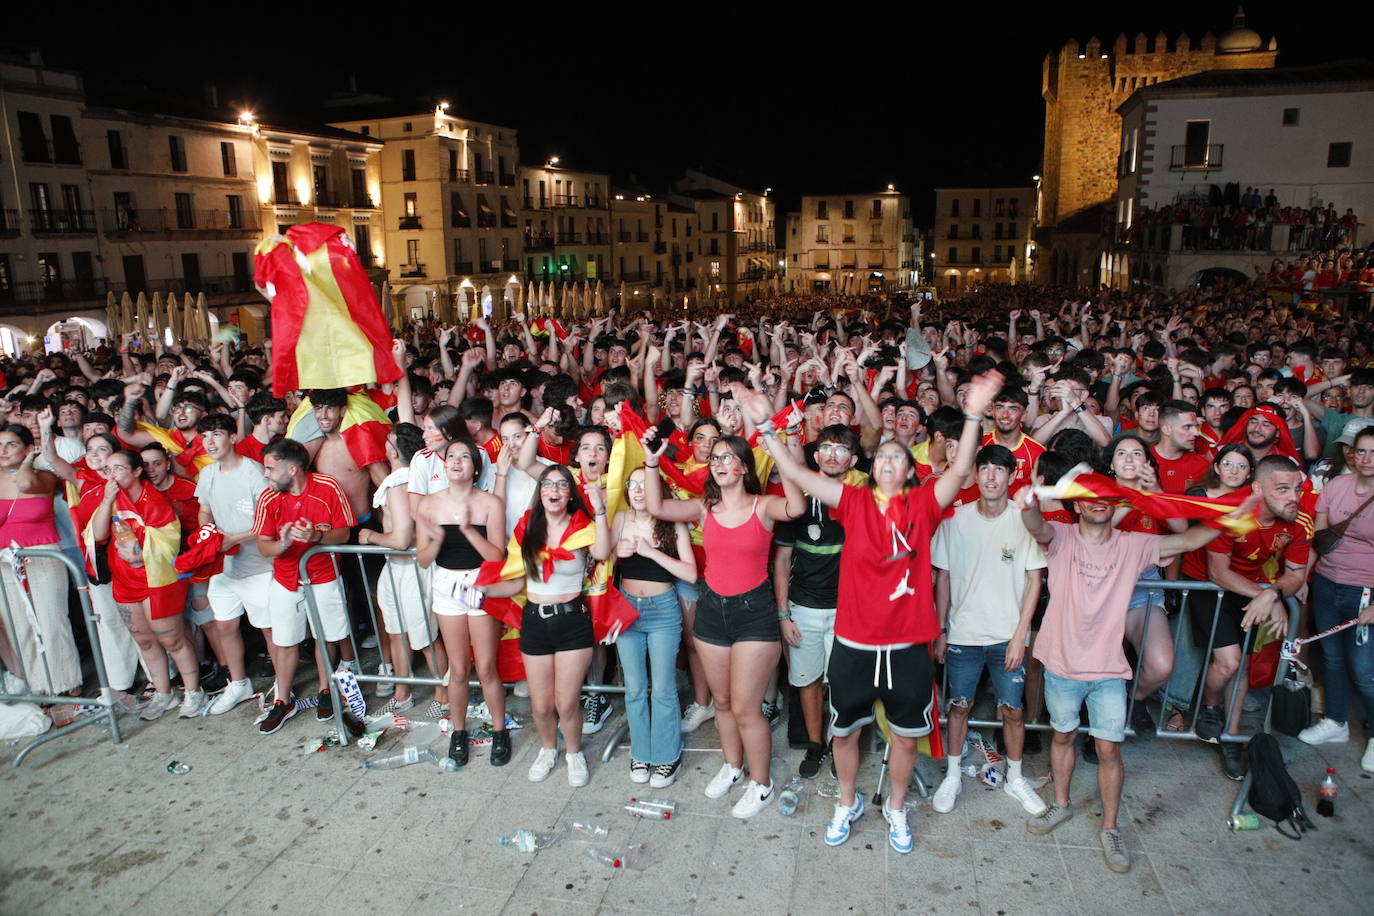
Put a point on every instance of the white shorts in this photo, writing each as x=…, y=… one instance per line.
x=288, y=616
x=410, y=606
x=808, y=663
x=454, y=593
x=230, y=596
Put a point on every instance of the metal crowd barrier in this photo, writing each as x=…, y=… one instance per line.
x=1195, y=692
x=322, y=651
x=107, y=713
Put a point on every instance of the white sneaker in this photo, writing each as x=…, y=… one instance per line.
x=837, y=831
x=1021, y=790
x=695, y=716
x=1326, y=731
x=577, y=770
x=385, y=690
x=231, y=696
x=898, y=830
x=193, y=704
x=1367, y=761
x=754, y=800
x=369, y=641
x=13, y=683
x=543, y=764
x=949, y=790
x=154, y=708
x=723, y=781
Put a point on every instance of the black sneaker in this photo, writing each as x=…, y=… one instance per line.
x=213, y=678
x=1209, y=723
x=596, y=709
x=500, y=748
x=325, y=711
x=811, y=764
x=458, y=747
x=773, y=713
x=665, y=774
x=1142, y=723
x=277, y=716
x=1233, y=760
x=1090, y=750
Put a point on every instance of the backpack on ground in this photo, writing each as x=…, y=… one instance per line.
x=1273, y=793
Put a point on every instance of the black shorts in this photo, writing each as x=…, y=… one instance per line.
x=723, y=620
x=1201, y=606
x=901, y=678
x=559, y=633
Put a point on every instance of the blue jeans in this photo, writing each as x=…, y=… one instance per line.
x=1106, y=701
x=1346, y=663
x=964, y=666
x=648, y=648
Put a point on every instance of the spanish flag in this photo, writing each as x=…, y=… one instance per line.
x=1271, y=413
x=191, y=459
x=154, y=524
x=364, y=427
x=543, y=327
x=627, y=456
x=685, y=482
x=1083, y=483
x=324, y=309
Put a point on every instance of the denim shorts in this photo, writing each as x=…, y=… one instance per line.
x=558, y=633
x=1106, y=701
x=1143, y=597
x=688, y=591
x=723, y=620
x=806, y=663
x=964, y=666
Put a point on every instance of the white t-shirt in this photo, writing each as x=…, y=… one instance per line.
x=987, y=559
x=232, y=500
x=427, y=473
x=397, y=478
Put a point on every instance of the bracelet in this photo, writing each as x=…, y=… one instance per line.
x=689, y=394
x=648, y=465
x=973, y=419
x=1078, y=409
x=784, y=615
x=601, y=514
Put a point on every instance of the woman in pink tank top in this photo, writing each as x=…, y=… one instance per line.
x=736, y=627
x=26, y=520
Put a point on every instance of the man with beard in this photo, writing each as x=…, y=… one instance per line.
x=1258, y=570
x=300, y=511
x=1008, y=410
x=1180, y=466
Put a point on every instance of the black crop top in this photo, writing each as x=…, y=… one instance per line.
x=643, y=569
x=457, y=552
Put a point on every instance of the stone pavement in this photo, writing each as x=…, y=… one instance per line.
x=258, y=825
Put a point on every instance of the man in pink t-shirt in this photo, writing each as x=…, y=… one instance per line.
x=1093, y=568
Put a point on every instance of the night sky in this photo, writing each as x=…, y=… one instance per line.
x=799, y=100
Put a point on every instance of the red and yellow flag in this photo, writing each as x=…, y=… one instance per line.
x=1083, y=483
x=192, y=459
x=364, y=427
x=327, y=328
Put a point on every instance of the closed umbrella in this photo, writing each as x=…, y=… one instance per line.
x=126, y=314
x=190, y=328
x=153, y=317
x=111, y=316
x=563, y=298
x=203, y=317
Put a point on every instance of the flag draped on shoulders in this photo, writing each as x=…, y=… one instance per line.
x=149, y=569
x=1083, y=483
x=364, y=427
x=327, y=328
x=192, y=459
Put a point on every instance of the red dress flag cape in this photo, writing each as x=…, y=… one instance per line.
x=327, y=328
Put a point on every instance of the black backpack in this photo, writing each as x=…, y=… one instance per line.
x=1273, y=793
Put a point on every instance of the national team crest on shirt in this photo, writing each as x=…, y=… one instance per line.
x=1281, y=541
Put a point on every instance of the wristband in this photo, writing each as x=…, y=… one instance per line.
x=970, y=417
x=784, y=615
x=648, y=465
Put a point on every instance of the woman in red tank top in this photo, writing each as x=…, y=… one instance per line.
x=736, y=626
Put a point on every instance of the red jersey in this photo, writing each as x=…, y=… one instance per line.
x=250, y=447
x=1176, y=475
x=886, y=595
x=1027, y=452
x=1260, y=555
x=186, y=458
x=182, y=495
x=1138, y=521
x=493, y=447
x=323, y=504
x=558, y=454
x=154, y=524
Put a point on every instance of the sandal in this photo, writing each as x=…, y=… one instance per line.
x=1176, y=719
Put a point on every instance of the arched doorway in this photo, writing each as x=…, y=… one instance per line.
x=79, y=332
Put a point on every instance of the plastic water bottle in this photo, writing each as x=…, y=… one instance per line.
x=652, y=813
x=528, y=841
x=408, y=756
x=448, y=765
x=606, y=858
x=590, y=830
x=1362, y=631
x=788, y=798
x=1326, y=805
x=663, y=804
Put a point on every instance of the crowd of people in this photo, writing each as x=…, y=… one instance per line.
x=1246, y=222
x=854, y=494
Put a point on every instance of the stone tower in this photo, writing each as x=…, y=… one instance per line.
x=1083, y=85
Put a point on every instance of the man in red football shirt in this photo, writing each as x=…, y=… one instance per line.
x=300, y=511
x=1008, y=409
x=1258, y=570
x=885, y=620
x=1180, y=466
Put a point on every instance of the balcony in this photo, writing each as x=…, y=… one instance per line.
x=460, y=221
x=458, y=175
x=62, y=222
x=570, y=238
x=847, y=240
x=598, y=238
x=410, y=271
x=363, y=202
x=507, y=180
x=510, y=264
x=565, y=200
x=462, y=267
x=408, y=222
x=9, y=223
x=596, y=203
x=285, y=199
x=167, y=223
x=21, y=298
x=623, y=236
x=330, y=201
x=642, y=237
x=509, y=221
x=484, y=177
x=1185, y=157
x=635, y=276
x=660, y=247
x=538, y=243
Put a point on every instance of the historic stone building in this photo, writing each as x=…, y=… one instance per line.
x=1083, y=86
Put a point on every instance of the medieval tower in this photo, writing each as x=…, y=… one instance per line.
x=1083, y=85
